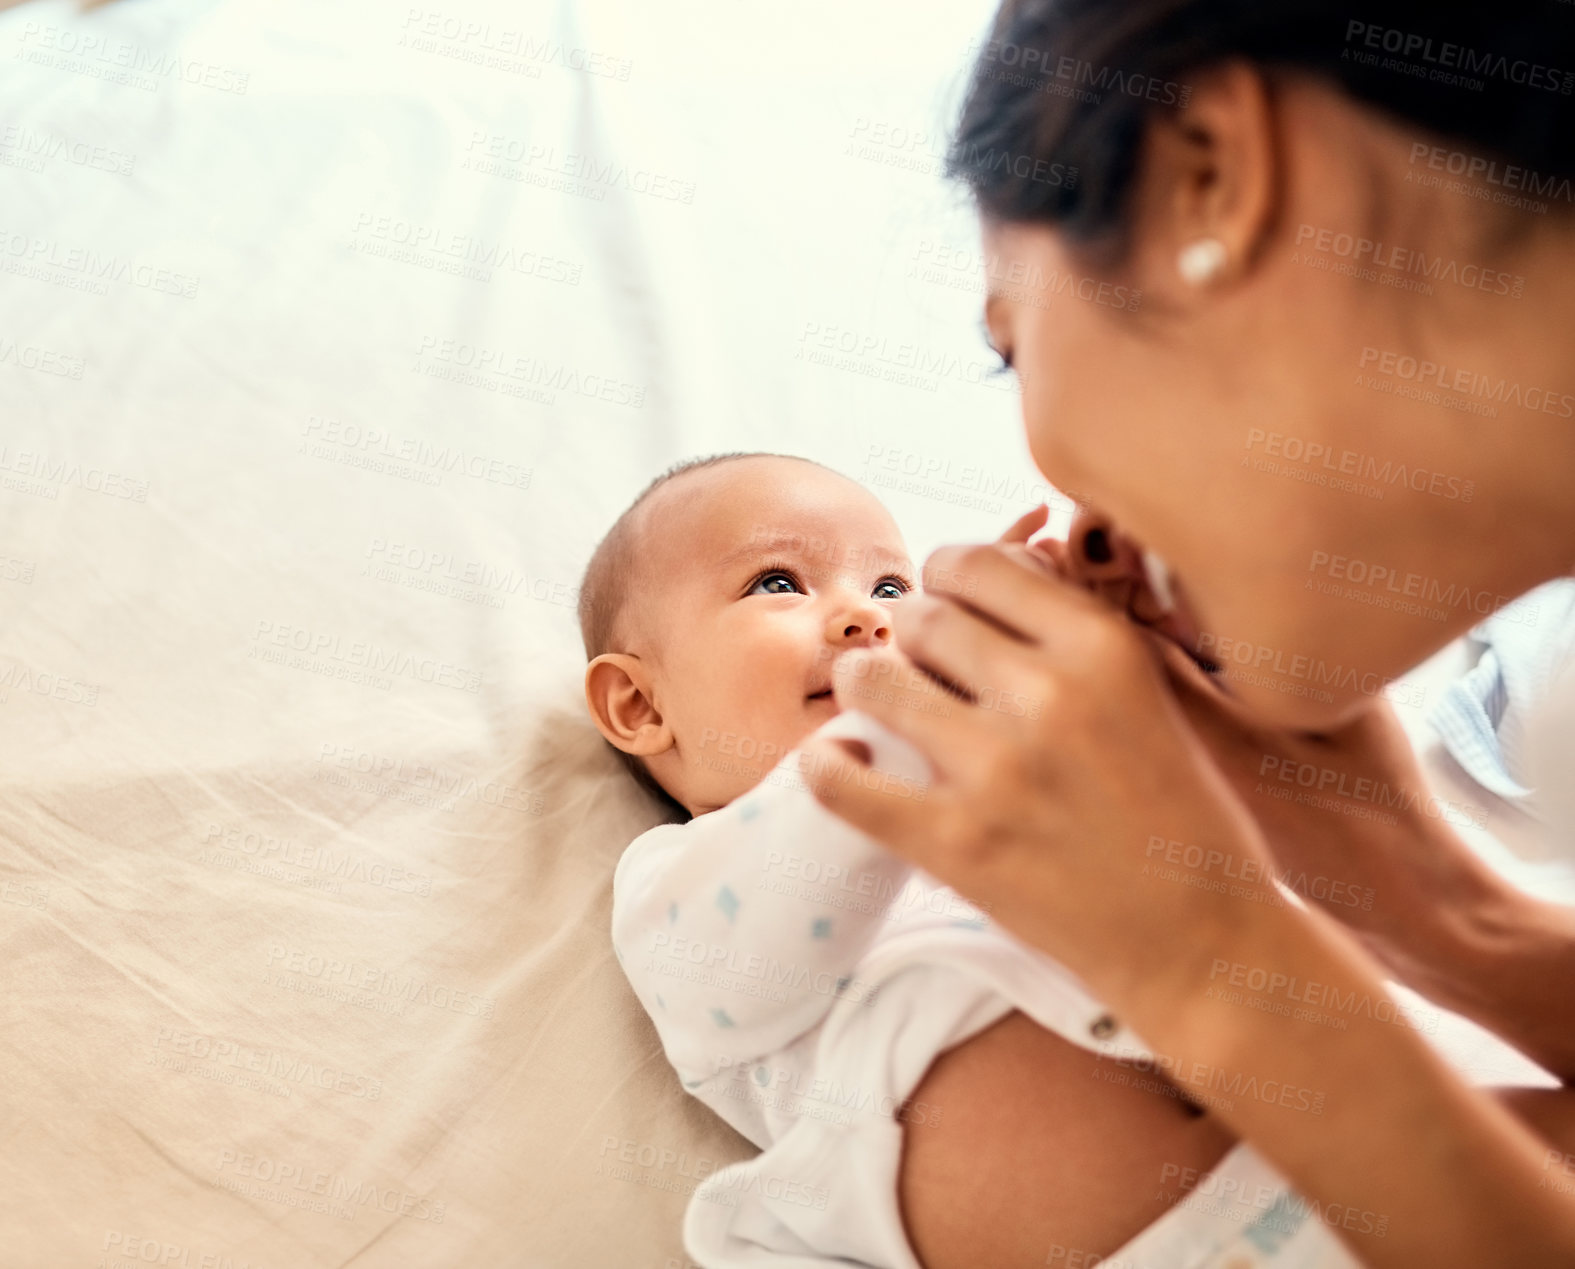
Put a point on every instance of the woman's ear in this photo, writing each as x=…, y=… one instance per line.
x=618, y=694
x=1210, y=175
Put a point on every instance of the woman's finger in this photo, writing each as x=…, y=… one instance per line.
x=1022, y=601
x=893, y=810
x=956, y=645
x=893, y=690
x=1025, y=526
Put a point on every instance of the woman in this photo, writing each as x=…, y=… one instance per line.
x=1342, y=414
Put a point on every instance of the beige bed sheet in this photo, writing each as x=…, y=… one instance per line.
x=309, y=1016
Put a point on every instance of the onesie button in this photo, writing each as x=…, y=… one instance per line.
x=1103, y=1027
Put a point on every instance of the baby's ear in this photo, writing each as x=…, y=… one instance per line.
x=617, y=692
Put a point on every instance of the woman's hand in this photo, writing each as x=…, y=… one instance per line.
x=1348, y=815
x=1066, y=771
x=1061, y=757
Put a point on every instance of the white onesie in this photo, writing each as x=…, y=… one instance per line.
x=802, y=979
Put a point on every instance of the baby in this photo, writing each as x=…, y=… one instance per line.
x=926, y=1090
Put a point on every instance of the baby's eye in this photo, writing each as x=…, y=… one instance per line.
x=889, y=584
x=767, y=580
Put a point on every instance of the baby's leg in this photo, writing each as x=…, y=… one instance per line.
x=1040, y=1144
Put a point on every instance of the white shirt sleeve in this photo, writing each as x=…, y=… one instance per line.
x=740, y=929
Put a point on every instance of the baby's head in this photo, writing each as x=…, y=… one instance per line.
x=714, y=608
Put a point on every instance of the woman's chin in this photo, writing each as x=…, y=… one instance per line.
x=1291, y=706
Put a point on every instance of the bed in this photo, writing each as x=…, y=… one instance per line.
x=332, y=337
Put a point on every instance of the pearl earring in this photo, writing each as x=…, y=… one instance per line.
x=1202, y=261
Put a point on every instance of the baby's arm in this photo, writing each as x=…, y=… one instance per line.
x=741, y=928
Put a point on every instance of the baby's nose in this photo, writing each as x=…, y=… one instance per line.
x=871, y=626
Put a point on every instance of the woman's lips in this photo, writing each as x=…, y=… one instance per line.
x=1177, y=624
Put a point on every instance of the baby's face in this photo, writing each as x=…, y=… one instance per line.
x=765, y=570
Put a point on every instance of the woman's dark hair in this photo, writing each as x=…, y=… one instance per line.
x=1060, y=93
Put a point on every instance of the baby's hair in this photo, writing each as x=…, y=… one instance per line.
x=604, y=591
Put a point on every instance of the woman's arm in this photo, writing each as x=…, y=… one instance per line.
x=1051, y=815
x=1368, y=1116
x=1433, y=913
